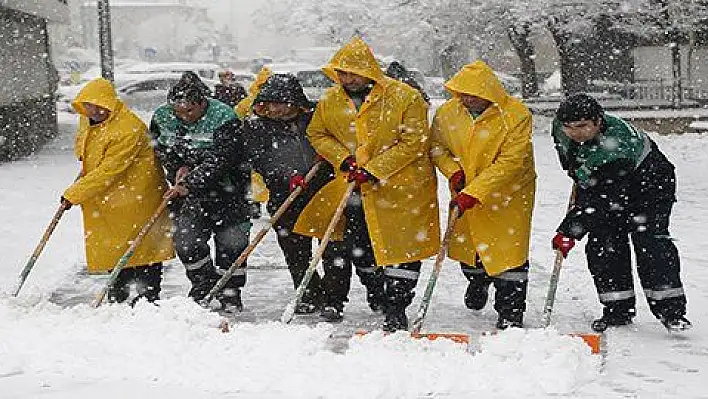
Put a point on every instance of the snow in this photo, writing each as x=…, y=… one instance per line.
x=53, y=345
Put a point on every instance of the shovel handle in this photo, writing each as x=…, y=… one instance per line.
x=40, y=246
x=129, y=253
x=555, y=275
x=442, y=253
x=289, y=311
x=259, y=236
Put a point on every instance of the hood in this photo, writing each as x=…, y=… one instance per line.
x=283, y=88
x=477, y=79
x=355, y=57
x=261, y=77
x=98, y=92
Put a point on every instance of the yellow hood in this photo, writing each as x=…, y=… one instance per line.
x=477, y=79
x=354, y=57
x=98, y=92
x=261, y=78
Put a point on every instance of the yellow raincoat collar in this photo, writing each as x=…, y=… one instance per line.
x=355, y=57
x=98, y=92
x=477, y=79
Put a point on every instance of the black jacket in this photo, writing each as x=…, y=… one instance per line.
x=230, y=190
x=278, y=150
x=618, y=192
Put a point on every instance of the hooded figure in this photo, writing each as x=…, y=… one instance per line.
x=374, y=130
x=120, y=187
x=274, y=141
x=244, y=108
x=399, y=72
x=482, y=143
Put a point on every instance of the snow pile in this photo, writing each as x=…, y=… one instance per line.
x=179, y=344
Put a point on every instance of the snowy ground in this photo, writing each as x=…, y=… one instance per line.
x=52, y=345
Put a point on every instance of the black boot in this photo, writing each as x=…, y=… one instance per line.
x=396, y=319
x=148, y=280
x=510, y=319
x=476, y=295
x=609, y=320
x=676, y=323
x=118, y=293
x=203, y=280
x=120, y=290
x=333, y=313
x=230, y=299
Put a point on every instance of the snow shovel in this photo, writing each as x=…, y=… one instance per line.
x=417, y=324
x=259, y=236
x=289, y=311
x=38, y=250
x=593, y=340
x=555, y=275
x=129, y=253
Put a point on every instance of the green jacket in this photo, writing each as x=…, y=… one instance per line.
x=618, y=141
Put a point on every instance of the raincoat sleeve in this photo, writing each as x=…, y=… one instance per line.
x=440, y=153
x=508, y=165
x=323, y=141
x=413, y=142
x=120, y=154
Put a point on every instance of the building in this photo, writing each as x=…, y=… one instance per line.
x=28, y=80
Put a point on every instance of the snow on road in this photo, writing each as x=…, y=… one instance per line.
x=52, y=345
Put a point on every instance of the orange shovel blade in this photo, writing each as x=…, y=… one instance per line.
x=458, y=338
x=593, y=341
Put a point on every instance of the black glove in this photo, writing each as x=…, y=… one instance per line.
x=349, y=164
x=67, y=204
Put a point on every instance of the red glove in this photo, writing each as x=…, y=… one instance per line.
x=563, y=244
x=457, y=181
x=297, y=181
x=464, y=202
x=349, y=164
x=361, y=176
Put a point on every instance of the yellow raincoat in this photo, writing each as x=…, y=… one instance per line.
x=390, y=138
x=120, y=186
x=259, y=191
x=494, y=150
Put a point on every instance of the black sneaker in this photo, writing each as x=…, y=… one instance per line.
x=514, y=320
x=396, y=319
x=676, y=323
x=306, y=308
x=476, y=296
x=606, y=321
x=230, y=300
x=332, y=314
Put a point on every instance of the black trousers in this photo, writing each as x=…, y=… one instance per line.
x=147, y=280
x=510, y=286
x=387, y=286
x=196, y=222
x=658, y=264
x=297, y=250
